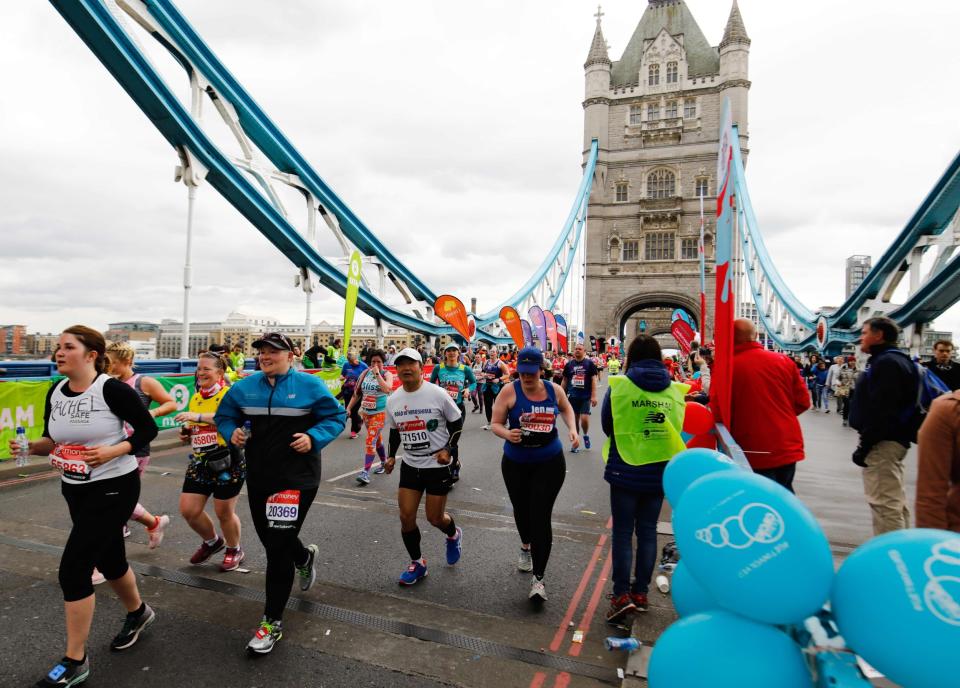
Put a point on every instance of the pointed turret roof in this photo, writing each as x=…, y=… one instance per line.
x=676, y=18
x=598, y=49
x=735, y=32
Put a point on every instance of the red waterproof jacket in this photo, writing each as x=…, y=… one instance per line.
x=768, y=395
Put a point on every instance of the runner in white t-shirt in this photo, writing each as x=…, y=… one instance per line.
x=426, y=421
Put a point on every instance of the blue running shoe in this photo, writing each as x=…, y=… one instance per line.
x=586, y=441
x=413, y=574
x=454, y=546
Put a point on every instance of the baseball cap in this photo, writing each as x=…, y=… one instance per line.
x=277, y=340
x=412, y=354
x=452, y=345
x=529, y=360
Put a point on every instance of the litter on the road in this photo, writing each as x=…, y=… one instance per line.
x=328, y=632
x=586, y=511
x=242, y=570
x=578, y=636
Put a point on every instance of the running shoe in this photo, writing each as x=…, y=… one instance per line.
x=232, y=559
x=484, y=427
x=640, y=601
x=454, y=547
x=620, y=606
x=525, y=562
x=126, y=531
x=575, y=450
x=133, y=625
x=363, y=478
x=455, y=472
x=308, y=572
x=205, y=551
x=537, y=591
x=155, y=534
x=381, y=469
x=97, y=578
x=414, y=573
x=266, y=636
x=586, y=441
x=353, y=435
x=66, y=673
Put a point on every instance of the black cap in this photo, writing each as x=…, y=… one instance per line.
x=277, y=340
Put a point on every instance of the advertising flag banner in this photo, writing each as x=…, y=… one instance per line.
x=21, y=403
x=451, y=310
x=680, y=314
x=350, y=306
x=551, y=329
x=703, y=276
x=527, y=332
x=579, y=337
x=471, y=327
x=561, y=332
x=683, y=333
x=723, y=309
x=539, y=322
x=511, y=320
x=593, y=343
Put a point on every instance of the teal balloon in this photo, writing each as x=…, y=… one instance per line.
x=896, y=600
x=689, y=597
x=689, y=465
x=754, y=547
x=723, y=650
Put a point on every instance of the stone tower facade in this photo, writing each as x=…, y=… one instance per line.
x=656, y=115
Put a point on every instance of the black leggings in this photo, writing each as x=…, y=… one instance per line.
x=283, y=546
x=533, y=488
x=488, y=398
x=99, y=509
x=355, y=422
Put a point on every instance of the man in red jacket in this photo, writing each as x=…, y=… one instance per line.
x=768, y=395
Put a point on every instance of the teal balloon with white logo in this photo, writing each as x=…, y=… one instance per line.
x=689, y=465
x=896, y=600
x=689, y=597
x=723, y=650
x=754, y=547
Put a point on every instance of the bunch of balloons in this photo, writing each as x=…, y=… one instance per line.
x=754, y=562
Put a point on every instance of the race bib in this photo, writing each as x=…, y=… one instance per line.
x=283, y=507
x=537, y=422
x=68, y=460
x=369, y=402
x=578, y=380
x=414, y=435
x=453, y=389
x=203, y=439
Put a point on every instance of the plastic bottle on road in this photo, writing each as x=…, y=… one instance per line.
x=23, y=447
x=663, y=584
x=614, y=643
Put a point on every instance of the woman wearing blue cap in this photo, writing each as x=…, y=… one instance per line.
x=525, y=415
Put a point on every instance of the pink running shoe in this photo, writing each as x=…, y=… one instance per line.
x=155, y=534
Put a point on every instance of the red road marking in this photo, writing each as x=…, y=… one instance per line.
x=538, y=679
x=587, y=619
x=563, y=680
x=575, y=600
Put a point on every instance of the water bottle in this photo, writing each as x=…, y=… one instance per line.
x=614, y=643
x=224, y=477
x=23, y=447
x=247, y=429
x=663, y=584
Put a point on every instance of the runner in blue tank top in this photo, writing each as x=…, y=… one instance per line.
x=533, y=466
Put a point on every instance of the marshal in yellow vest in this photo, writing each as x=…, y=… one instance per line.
x=647, y=424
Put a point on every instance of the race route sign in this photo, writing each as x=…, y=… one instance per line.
x=683, y=333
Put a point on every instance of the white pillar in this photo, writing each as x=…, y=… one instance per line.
x=187, y=274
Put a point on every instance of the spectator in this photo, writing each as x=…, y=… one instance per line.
x=767, y=396
x=820, y=398
x=391, y=355
x=938, y=453
x=943, y=365
x=843, y=382
x=882, y=412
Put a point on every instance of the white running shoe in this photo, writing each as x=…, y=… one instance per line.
x=126, y=531
x=266, y=637
x=97, y=578
x=525, y=562
x=155, y=534
x=484, y=427
x=537, y=591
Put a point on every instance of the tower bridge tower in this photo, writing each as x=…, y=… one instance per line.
x=656, y=115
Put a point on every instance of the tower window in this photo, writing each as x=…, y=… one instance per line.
x=653, y=111
x=690, y=108
x=636, y=115
x=653, y=75
x=670, y=112
x=659, y=246
x=622, y=195
x=688, y=249
x=671, y=72
x=661, y=184
x=631, y=250
x=702, y=187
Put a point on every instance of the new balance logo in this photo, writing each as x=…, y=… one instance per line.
x=655, y=417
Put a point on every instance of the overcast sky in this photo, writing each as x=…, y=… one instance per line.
x=454, y=131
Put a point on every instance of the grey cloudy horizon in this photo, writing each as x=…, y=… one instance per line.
x=455, y=133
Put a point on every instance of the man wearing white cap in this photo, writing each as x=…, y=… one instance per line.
x=425, y=419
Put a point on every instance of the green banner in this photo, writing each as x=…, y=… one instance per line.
x=350, y=306
x=181, y=388
x=21, y=403
x=332, y=378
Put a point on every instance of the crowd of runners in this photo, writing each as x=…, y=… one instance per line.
x=265, y=432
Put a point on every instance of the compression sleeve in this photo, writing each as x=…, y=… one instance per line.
x=454, y=427
x=125, y=404
x=394, y=442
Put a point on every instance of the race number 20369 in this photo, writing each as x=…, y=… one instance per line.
x=283, y=508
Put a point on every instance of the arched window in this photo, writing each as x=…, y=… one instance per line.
x=671, y=72
x=653, y=75
x=661, y=184
x=614, y=250
x=623, y=194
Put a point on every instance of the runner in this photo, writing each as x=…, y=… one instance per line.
x=533, y=465
x=580, y=384
x=613, y=365
x=455, y=378
x=119, y=359
x=374, y=386
x=293, y=416
x=425, y=419
x=495, y=375
x=350, y=372
x=215, y=469
x=84, y=431
x=476, y=396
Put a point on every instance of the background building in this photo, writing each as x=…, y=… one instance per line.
x=855, y=272
x=134, y=331
x=13, y=340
